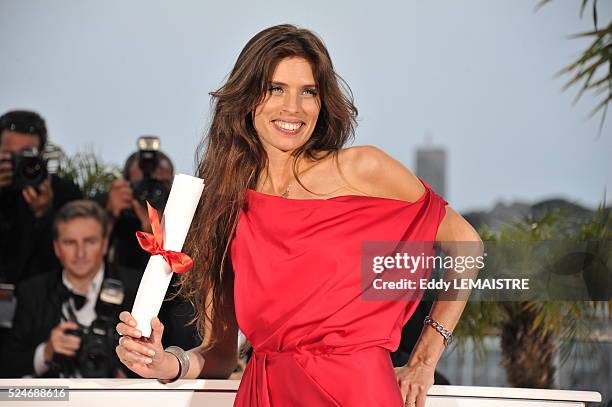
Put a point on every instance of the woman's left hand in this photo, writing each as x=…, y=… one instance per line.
x=414, y=381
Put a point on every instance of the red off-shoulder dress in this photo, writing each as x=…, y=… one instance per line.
x=298, y=297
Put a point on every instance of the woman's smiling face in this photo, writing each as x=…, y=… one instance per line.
x=287, y=117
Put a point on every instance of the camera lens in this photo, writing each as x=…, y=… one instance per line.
x=153, y=191
x=29, y=168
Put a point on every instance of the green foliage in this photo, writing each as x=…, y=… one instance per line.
x=85, y=169
x=592, y=70
x=585, y=70
x=566, y=320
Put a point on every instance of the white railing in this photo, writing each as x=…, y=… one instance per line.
x=221, y=393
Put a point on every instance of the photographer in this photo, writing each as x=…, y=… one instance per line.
x=52, y=331
x=29, y=197
x=147, y=176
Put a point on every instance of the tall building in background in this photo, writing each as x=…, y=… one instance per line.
x=431, y=167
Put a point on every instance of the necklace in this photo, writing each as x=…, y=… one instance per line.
x=286, y=193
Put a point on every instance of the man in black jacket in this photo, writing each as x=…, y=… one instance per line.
x=56, y=310
x=28, y=198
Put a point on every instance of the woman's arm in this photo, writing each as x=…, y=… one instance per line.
x=456, y=237
x=219, y=361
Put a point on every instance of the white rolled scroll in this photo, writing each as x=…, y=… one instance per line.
x=178, y=214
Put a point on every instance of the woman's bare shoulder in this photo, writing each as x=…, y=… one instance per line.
x=370, y=169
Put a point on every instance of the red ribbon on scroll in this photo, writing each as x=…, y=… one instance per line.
x=154, y=244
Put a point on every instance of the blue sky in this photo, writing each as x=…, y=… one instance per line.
x=477, y=76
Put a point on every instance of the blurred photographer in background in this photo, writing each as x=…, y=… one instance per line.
x=65, y=319
x=29, y=197
x=147, y=176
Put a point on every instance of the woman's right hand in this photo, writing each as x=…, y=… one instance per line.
x=144, y=356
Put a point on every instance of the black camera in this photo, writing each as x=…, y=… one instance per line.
x=96, y=356
x=29, y=168
x=149, y=189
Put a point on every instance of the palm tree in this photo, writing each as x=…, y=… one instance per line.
x=533, y=332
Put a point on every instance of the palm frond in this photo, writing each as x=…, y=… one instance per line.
x=86, y=169
x=592, y=70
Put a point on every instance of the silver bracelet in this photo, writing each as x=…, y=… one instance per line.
x=448, y=336
x=183, y=359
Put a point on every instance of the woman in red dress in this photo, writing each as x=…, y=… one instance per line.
x=276, y=243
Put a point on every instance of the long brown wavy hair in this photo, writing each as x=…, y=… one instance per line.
x=231, y=157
